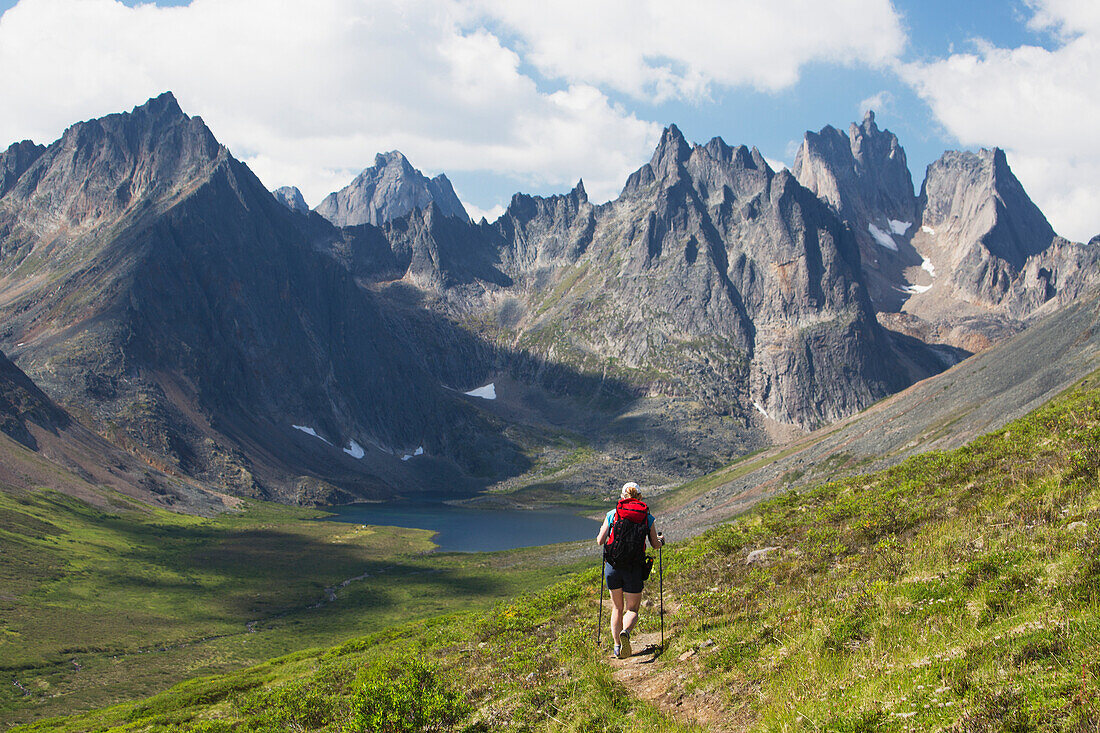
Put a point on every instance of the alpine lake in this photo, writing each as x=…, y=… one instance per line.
x=465, y=528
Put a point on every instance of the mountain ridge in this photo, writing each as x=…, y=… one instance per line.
x=269, y=333
x=968, y=260
x=209, y=319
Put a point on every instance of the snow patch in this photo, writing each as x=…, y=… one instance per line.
x=882, y=237
x=760, y=408
x=928, y=267
x=928, y=230
x=900, y=227
x=418, y=452
x=488, y=392
x=309, y=431
x=915, y=289
x=354, y=450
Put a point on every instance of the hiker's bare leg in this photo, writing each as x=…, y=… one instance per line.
x=616, y=614
x=628, y=619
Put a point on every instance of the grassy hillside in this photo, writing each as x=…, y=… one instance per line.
x=979, y=395
x=103, y=605
x=957, y=591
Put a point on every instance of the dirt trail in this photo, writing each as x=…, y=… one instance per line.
x=660, y=680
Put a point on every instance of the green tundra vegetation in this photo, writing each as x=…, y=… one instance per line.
x=98, y=606
x=958, y=590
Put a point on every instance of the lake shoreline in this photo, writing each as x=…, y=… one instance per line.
x=463, y=526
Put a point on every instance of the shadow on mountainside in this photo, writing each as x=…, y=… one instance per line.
x=544, y=406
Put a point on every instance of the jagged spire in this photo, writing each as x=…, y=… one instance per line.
x=389, y=189
x=578, y=191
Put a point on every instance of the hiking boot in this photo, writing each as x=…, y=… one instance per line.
x=624, y=643
x=618, y=650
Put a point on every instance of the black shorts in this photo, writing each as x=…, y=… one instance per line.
x=629, y=580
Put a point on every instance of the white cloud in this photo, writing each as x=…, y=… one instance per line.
x=1040, y=105
x=660, y=50
x=776, y=165
x=307, y=92
x=1066, y=17
x=491, y=214
x=881, y=102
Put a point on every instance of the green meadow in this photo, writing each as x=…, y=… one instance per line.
x=102, y=606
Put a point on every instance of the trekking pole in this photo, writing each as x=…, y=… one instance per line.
x=661, y=585
x=599, y=618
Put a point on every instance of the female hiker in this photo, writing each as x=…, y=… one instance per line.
x=622, y=536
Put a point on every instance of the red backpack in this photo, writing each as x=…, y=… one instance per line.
x=625, y=548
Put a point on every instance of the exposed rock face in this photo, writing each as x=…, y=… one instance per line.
x=967, y=261
x=864, y=177
x=985, y=226
x=22, y=402
x=291, y=197
x=50, y=448
x=981, y=395
x=1057, y=276
x=15, y=161
x=391, y=188
x=996, y=260
x=152, y=280
x=711, y=276
x=99, y=169
x=863, y=174
x=546, y=232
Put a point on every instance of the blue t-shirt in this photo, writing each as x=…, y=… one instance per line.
x=610, y=518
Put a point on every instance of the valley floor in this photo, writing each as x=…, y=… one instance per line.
x=100, y=606
x=959, y=590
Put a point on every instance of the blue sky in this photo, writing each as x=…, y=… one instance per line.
x=506, y=97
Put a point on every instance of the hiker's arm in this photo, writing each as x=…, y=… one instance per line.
x=655, y=540
x=601, y=538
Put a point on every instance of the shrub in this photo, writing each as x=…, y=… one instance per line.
x=405, y=697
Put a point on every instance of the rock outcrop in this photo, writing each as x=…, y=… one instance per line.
x=995, y=260
x=15, y=161
x=864, y=177
x=981, y=226
x=291, y=197
x=389, y=189
x=23, y=404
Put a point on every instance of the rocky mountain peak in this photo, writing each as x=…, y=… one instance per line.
x=863, y=176
x=15, y=161
x=974, y=199
x=863, y=170
x=103, y=167
x=578, y=193
x=389, y=189
x=868, y=126
x=291, y=197
x=162, y=107
x=671, y=153
x=672, y=148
